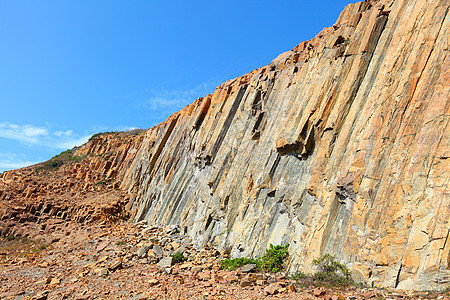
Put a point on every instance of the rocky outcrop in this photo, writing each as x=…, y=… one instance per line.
x=79, y=185
x=338, y=146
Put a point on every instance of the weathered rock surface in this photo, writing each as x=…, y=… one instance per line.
x=80, y=186
x=338, y=146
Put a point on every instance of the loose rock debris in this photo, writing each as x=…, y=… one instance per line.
x=121, y=260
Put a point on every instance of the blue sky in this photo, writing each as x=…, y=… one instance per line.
x=69, y=69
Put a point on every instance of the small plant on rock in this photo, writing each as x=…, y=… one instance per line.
x=178, y=257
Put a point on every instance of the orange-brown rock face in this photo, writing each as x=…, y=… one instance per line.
x=339, y=146
x=80, y=186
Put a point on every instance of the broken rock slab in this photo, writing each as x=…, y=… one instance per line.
x=166, y=262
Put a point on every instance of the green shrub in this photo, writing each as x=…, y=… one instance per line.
x=299, y=276
x=68, y=155
x=120, y=243
x=58, y=160
x=10, y=237
x=274, y=258
x=129, y=132
x=178, y=257
x=332, y=272
x=54, y=164
x=39, y=249
x=102, y=133
x=272, y=261
x=235, y=263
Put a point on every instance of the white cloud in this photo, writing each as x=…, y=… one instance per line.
x=70, y=143
x=125, y=128
x=98, y=129
x=63, y=133
x=176, y=99
x=22, y=133
x=32, y=135
x=10, y=161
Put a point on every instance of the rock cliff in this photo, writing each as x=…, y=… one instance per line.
x=338, y=146
x=78, y=185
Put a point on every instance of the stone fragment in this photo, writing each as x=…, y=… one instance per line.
x=260, y=282
x=41, y=296
x=101, y=271
x=205, y=276
x=46, y=280
x=196, y=269
x=231, y=277
x=153, y=282
x=142, y=252
x=102, y=246
x=102, y=259
x=54, y=281
x=246, y=282
x=272, y=289
x=159, y=253
x=173, y=229
x=174, y=245
x=166, y=262
x=318, y=292
x=247, y=268
x=116, y=265
x=186, y=265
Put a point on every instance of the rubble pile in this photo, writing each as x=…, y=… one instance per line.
x=121, y=260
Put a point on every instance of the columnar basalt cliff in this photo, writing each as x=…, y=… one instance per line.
x=338, y=146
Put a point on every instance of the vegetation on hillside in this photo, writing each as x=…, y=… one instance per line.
x=58, y=160
x=130, y=132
